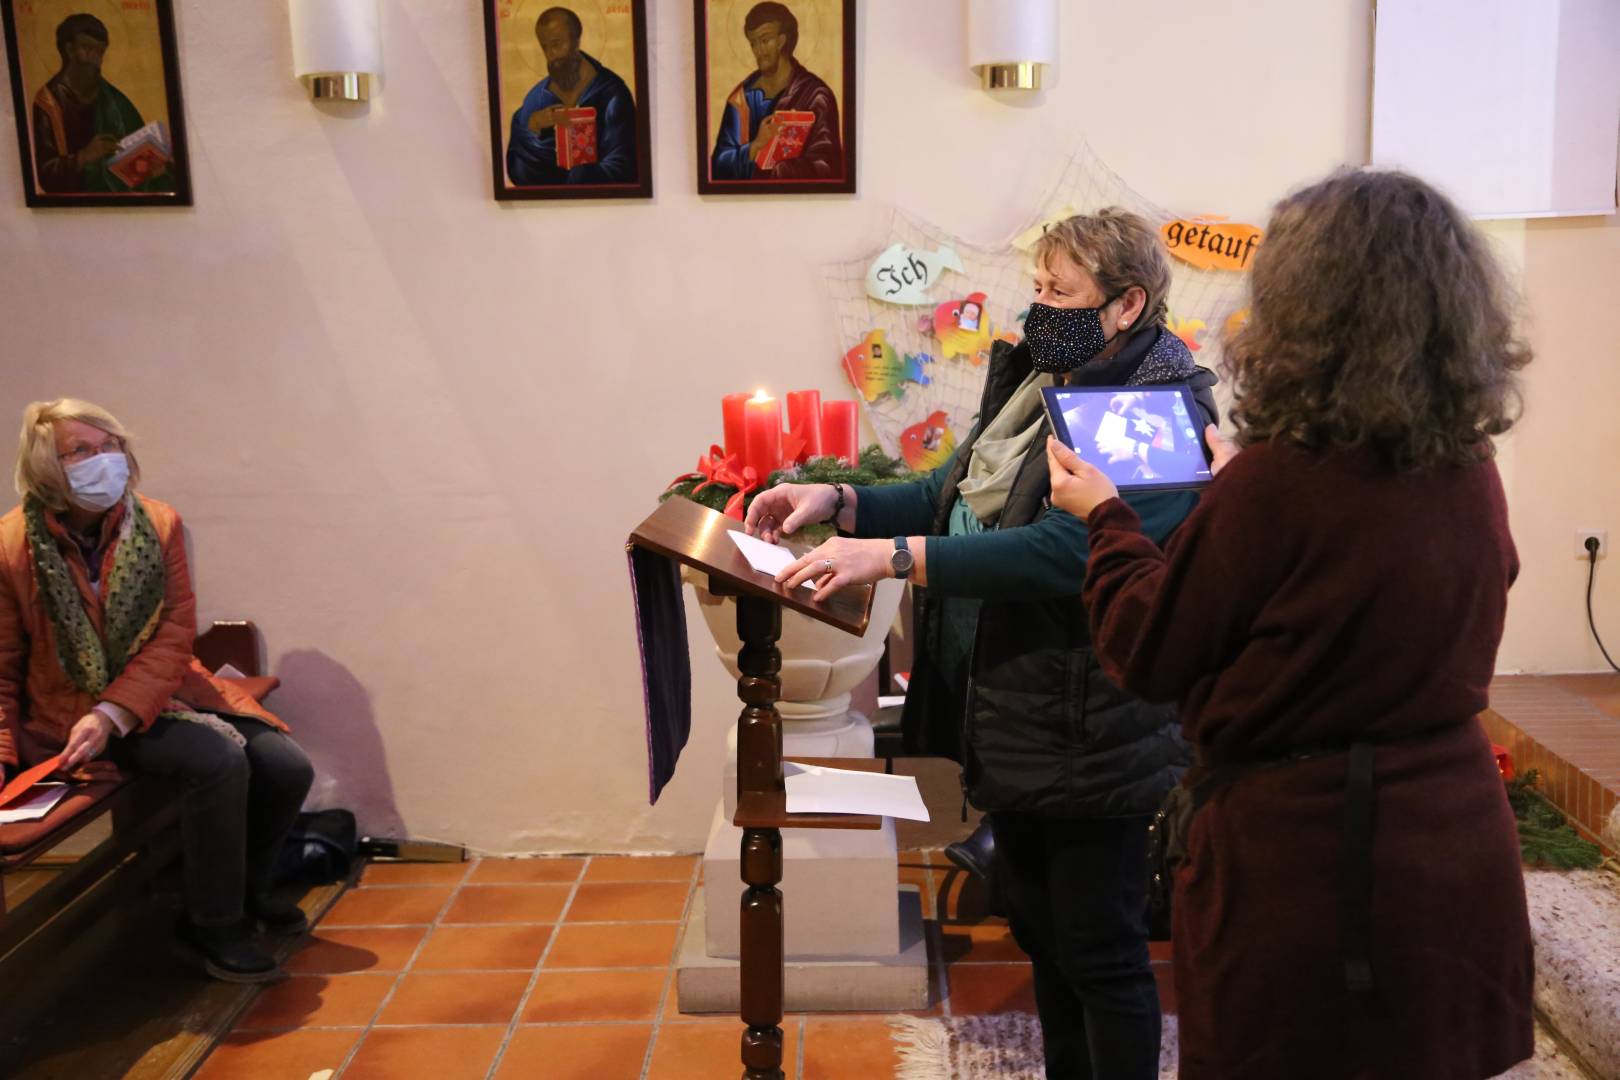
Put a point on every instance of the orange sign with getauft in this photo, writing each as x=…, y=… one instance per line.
x=1212, y=243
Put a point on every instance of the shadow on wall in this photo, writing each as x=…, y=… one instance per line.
x=342, y=739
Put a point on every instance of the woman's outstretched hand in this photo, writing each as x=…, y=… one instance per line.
x=1221, y=449
x=1076, y=487
x=840, y=562
x=786, y=508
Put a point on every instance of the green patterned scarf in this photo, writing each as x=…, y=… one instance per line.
x=132, y=597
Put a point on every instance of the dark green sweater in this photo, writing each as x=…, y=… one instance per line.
x=1043, y=559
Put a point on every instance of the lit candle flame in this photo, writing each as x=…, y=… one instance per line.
x=761, y=395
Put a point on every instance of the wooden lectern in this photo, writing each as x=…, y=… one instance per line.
x=695, y=535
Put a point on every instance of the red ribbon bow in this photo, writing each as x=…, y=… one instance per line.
x=722, y=468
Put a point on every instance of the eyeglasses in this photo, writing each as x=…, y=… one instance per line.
x=84, y=451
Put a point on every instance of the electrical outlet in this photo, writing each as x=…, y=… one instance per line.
x=1582, y=535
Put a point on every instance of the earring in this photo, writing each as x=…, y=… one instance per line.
x=1124, y=324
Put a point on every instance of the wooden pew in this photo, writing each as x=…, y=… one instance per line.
x=49, y=888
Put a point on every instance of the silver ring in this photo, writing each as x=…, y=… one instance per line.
x=828, y=564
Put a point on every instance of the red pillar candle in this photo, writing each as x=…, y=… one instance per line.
x=732, y=408
x=763, y=438
x=840, y=431
x=804, y=422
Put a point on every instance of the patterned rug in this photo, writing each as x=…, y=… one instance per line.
x=1002, y=1047
x=1008, y=1047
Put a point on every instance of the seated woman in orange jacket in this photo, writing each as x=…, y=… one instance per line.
x=97, y=620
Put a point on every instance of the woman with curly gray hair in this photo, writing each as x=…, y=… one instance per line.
x=1349, y=902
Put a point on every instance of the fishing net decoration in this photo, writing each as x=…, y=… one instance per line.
x=925, y=398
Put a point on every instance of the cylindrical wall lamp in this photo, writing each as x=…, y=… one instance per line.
x=337, y=47
x=1010, y=42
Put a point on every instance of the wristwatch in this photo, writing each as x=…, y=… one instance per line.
x=902, y=560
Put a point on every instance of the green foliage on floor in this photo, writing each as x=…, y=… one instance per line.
x=1545, y=837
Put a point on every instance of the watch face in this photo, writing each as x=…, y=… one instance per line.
x=902, y=562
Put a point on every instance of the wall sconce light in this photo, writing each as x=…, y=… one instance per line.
x=337, y=47
x=1010, y=41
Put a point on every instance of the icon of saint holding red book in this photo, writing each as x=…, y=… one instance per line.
x=578, y=124
x=781, y=122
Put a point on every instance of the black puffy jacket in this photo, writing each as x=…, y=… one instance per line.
x=1042, y=729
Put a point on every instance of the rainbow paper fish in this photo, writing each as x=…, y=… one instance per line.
x=963, y=328
x=1186, y=329
x=928, y=445
x=876, y=368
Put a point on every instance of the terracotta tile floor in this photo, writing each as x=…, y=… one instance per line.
x=563, y=969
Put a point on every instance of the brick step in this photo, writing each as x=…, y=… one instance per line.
x=1567, y=728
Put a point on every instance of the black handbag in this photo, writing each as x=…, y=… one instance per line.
x=1167, y=843
x=318, y=850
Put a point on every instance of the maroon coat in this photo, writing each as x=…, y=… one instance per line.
x=1308, y=600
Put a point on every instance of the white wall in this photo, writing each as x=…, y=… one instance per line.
x=410, y=428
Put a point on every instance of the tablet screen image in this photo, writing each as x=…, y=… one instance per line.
x=1144, y=438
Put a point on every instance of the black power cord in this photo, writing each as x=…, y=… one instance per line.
x=1591, y=575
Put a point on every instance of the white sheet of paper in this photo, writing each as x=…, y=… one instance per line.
x=766, y=558
x=812, y=789
x=1111, y=428
x=35, y=806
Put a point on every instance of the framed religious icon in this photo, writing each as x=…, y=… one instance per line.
x=568, y=99
x=775, y=96
x=96, y=86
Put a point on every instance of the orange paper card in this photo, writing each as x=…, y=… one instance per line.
x=27, y=779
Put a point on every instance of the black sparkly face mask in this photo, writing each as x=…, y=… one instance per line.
x=1061, y=339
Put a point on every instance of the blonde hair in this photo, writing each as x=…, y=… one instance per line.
x=1117, y=248
x=39, y=471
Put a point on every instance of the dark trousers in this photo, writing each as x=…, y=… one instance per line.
x=238, y=805
x=1075, y=892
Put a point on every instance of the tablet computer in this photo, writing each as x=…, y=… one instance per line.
x=1145, y=438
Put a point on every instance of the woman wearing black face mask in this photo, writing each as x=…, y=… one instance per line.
x=1068, y=765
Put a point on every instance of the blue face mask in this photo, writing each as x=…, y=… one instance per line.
x=98, y=483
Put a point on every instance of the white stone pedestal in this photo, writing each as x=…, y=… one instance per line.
x=838, y=888
x=705, y=984
x=849, y=942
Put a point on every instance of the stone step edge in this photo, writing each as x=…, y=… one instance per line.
x=1575, y=924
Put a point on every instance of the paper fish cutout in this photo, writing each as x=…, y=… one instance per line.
x=903, y=275
x=963, y=328
x=1235, y=321
x=1185, y=329
x=1025, y=240
x=876, y=368
x=928, y=445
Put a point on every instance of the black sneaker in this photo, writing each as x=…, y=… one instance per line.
x=976, y=854
x=281, y=917
x=228, y=953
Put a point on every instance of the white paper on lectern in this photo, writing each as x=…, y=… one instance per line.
x=812, y=789
x=36, y=806
x=766, y=558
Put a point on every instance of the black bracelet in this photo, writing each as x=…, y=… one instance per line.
x=839, y=509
